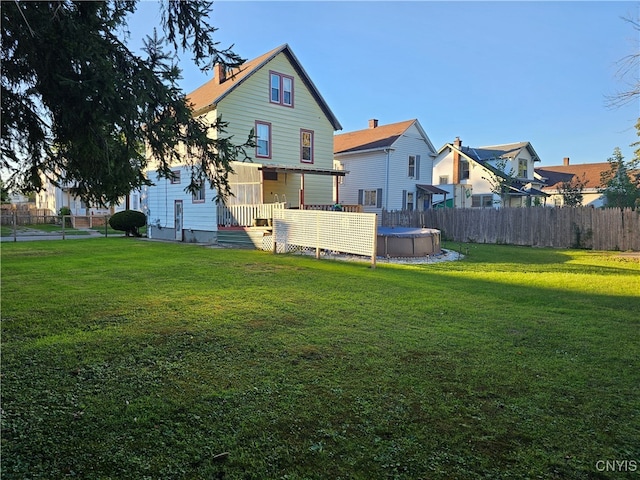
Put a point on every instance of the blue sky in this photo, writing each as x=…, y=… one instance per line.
x=489, y=72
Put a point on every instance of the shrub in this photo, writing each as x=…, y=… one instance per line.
x=65, y=211
x=128, y=221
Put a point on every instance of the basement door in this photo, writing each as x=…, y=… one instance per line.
x=178, y=219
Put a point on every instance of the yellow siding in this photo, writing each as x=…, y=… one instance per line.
x=250, y=102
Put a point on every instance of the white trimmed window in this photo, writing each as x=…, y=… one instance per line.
x=523, y=167
x=281, y=89
x=482, y=201
x=198, y=196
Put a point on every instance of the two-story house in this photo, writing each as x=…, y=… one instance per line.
x=471, y=175
x=389, y=166
x=292, y=163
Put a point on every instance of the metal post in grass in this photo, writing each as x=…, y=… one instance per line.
x=64, y=220
x=15, y=226
x=106, y=225
x=374, y=251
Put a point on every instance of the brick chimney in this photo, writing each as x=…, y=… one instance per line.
x=373, y=123
x=219, y=73
x=457, y=144
x=565, y=161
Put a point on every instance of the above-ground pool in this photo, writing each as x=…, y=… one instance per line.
x=408, y=242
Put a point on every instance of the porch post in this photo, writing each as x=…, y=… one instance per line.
x=337, y=189
x=301, y=190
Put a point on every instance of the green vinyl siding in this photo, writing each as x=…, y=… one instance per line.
x=249, y=103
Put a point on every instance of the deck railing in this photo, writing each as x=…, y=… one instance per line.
x=327, y=208
x=245, y=215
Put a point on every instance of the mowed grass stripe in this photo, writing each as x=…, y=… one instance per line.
x=126, y=358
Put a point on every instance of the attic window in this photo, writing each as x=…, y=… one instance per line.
x=522, y=167
x=281, y=89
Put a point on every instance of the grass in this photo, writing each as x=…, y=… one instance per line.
x=125, y=358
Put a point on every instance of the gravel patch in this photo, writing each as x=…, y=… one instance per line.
x=444, y=256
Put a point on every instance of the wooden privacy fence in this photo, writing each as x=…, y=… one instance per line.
x=579, y=227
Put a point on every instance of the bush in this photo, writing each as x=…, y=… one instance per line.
x=128, y=221
x=65, y=211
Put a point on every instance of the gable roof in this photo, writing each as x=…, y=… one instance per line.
x=508, y=151
x=377, y=138
x=590, y=172
x=212, y=92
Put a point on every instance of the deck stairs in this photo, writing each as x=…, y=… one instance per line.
x=250, y=237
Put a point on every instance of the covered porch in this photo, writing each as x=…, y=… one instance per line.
x=258, y=189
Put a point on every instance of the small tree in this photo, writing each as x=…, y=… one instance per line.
x=571, y=191
x=502, y=181
x=620, y=185
x=128, y=221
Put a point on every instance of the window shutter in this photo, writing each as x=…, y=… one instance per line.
x=360, y=197
x=404, y=199
x=417, y=167
x=379, y=198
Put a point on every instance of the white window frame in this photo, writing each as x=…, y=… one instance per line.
x=523, y=168
x=412, y=166
x=281, y=89
x=370, y=198
x=199, y=195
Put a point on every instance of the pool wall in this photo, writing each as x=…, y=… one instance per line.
x=408, y=242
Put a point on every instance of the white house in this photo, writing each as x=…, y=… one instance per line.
x=52, y=198
x=389, y=167
x=469, y=174
x=588, y=174
x=292, y=162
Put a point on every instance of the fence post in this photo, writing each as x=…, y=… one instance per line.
x=374, y=253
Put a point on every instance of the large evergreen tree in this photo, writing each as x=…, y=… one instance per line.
x=79, y=106
x=620, y=185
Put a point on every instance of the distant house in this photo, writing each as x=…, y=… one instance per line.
x=468, y=174
x=587, y=173
x=52, y=198
x=389, y=166
x=292, y=160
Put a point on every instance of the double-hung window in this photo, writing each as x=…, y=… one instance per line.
x=306, y=146
x=412, y=166
x=263, y=139
x=198, y=195
x=281, y=89
x=370, y=198
x=522, y=167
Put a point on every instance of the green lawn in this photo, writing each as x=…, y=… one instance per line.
x=125, y=358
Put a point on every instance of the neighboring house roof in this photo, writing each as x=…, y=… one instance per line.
x=484, y=155
x=507, y=151
x=374, y=138
x=212, y=92
x=589, y=172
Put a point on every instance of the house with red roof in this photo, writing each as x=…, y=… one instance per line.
x=292, y=163
x=389, y=166
x=468, y=175
x=588, y=174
